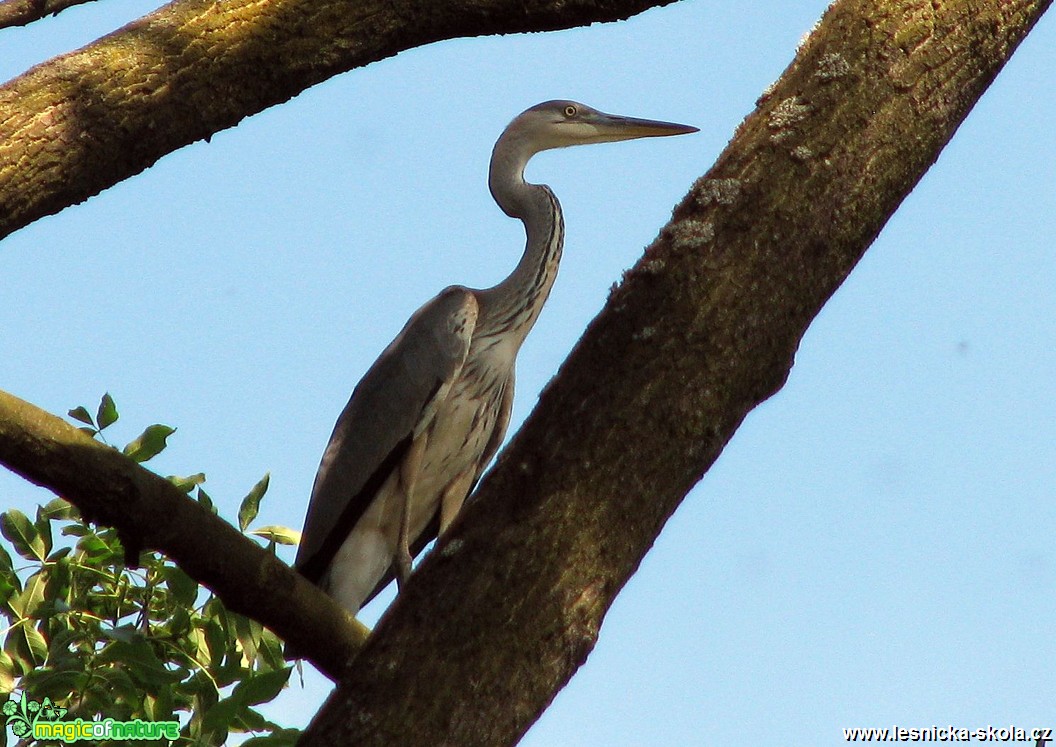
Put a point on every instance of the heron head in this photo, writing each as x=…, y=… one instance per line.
x=559, y=124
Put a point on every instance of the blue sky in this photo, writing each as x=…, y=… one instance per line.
x=873, y=548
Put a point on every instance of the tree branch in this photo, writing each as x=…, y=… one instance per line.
x=22, y=12
x=80, y=123
x=150, y=512
x=703, y=329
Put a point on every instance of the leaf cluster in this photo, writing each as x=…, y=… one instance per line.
x=105, y=640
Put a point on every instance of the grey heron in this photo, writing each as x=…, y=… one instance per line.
x=428, y=416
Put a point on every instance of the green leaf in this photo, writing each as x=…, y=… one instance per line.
x=250, y=720
x=149, y=444
x=278, y=738
x=15, y=664
x=26, y=603
x=270, y=651
x=36, y=642
x=279, y=535
x=187, y=484
x=43, y=527
x=251, y=503
x=59, y=577
x=21, y=533
x=8, y=672
x=59, y=554
x=159, y=708
x=215, y=639
x=107, y=413
x=81, y=414
x=199, y=647
x=142, y=664
x=222, y=715
x=95, y=549
x=205, y=500
x=122, y=634
x=62, y=643
x=179, y=626
x=118, y=686
x=231, y=671
x=248, y=632
x=7, y=589
x=235, y=711
x=59, y=509
x=51, y=682
x=24, y=642
x=183, y=588
x=261, y=688
x=6, y=565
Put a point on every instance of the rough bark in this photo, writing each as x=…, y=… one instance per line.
x=80, y=123
x=702, y=329
x=150, y=513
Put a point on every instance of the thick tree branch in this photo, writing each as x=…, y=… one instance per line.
x=80, y=123
x=703, y=329
x=21, y=12
x=150, y=512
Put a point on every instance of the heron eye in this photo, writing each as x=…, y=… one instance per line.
x=570, y=111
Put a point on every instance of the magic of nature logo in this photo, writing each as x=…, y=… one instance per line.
x=43, y=720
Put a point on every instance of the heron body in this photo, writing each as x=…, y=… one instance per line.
x=429, y=415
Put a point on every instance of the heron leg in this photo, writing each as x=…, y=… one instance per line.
x=412, y=463
x=453, y=497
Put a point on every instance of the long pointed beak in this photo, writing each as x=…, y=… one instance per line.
x=616, y=127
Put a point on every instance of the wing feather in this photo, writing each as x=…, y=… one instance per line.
x=396, y=399
x=432, y=529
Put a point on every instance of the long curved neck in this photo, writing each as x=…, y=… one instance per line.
x=512, y=306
